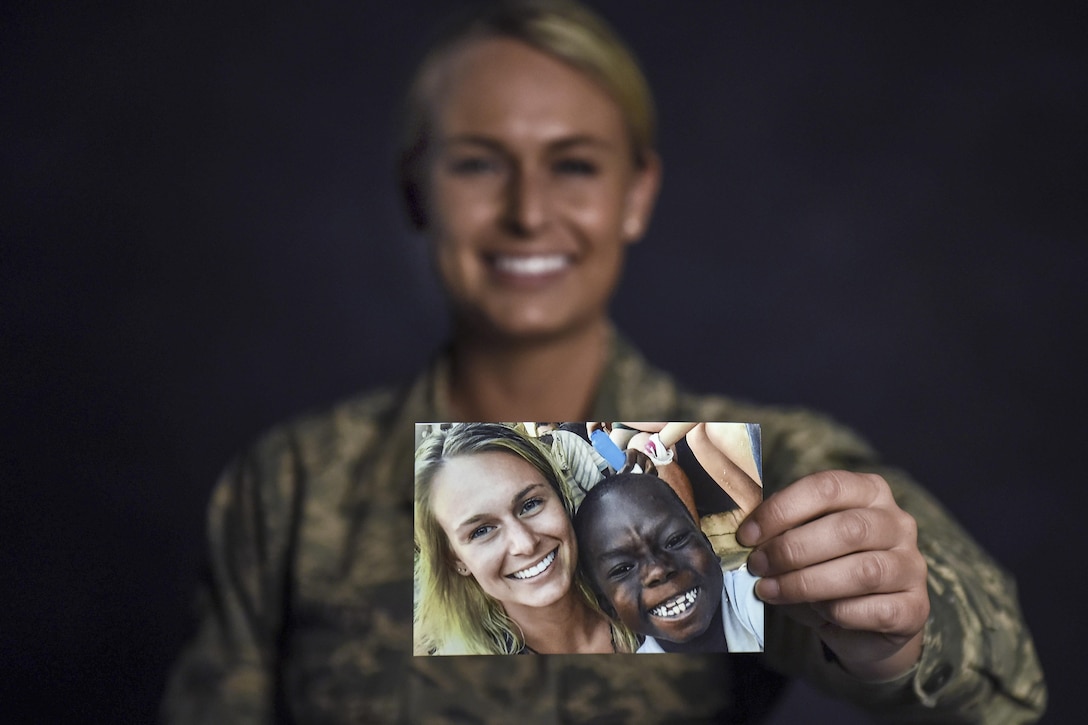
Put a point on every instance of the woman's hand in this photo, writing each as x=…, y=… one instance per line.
x=837, y=550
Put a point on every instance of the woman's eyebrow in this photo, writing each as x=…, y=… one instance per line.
x=524, y=492
x=475, y=518
x=558, y=145
x=471, y=520
x=568, y=142
x=470, y=139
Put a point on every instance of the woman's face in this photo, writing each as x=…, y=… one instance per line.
x=507, y=528
x=531, y=190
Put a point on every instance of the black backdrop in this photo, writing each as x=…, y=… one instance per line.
x=874, y=209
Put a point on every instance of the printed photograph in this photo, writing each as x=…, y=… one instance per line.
x=585, y=537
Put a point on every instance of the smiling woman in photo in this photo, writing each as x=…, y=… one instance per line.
x=497, y=560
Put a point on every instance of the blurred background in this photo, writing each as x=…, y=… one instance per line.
x=878, y=207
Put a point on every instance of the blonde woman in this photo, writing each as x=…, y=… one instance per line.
x=496, y=567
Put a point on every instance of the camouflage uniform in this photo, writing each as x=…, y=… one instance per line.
x=307, y=613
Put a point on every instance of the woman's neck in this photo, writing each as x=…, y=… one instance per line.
x=551, y=379
x=567, y=627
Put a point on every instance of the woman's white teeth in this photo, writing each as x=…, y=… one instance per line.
x=531, y=265
x=677, y=605
x=536, y=569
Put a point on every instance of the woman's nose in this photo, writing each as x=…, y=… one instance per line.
x=527, y=204
x=522, y=539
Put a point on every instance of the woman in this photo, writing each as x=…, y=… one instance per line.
x=529, y=193
x=497, y=563
x=529, y=164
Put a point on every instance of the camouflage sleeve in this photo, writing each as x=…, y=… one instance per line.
x=226, y=674
x=978, y=662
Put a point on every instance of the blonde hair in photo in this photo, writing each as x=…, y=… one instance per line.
x=453, y=615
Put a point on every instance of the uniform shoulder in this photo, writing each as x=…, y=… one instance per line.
x=338, y=432
x=783, y=418
x=796, y=441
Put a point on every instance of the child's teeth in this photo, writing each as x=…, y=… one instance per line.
x=677, y=605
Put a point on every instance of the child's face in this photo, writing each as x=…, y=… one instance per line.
x=653, y=564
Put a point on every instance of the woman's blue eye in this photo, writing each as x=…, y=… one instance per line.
x=471, y=165
x=532, y=505
x=481, y=531
x=575, y=167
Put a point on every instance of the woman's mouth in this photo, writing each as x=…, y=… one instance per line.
x=536, y=569
x=677, y=605
x=533, y=265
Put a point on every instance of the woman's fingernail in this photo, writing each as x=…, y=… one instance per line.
x=757, y=563
x=767, y=589
x=748, y=533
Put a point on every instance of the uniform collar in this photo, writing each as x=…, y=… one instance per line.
x=630, y=388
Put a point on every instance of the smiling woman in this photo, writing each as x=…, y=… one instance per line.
x=535, y=193
x=496, y=568
x=527, y=161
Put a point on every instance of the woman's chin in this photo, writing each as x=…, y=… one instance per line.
x=530, y=325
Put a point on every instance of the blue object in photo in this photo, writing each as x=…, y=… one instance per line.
x=609, y=450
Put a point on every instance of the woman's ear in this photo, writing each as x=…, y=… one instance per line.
x=641, y=197
x=459, y=566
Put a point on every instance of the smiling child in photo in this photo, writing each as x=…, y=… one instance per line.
x=656, y=572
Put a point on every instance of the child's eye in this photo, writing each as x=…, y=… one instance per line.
x=619, y=570
x=575, y=167
x=676, y=540
x=481, y=531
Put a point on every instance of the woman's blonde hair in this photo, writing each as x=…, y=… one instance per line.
x=453, y=614
x=563, y=29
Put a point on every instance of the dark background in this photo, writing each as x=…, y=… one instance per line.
x=875, y=209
